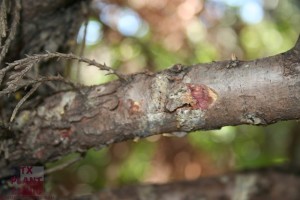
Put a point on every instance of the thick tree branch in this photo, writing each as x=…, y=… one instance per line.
x=180, y=99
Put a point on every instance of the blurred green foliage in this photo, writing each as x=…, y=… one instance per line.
x=250, y=146
x=137, y=163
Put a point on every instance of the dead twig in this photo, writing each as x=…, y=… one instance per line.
x=63, y=165
x=13, y=30
x=89, y=62
x=30, y=60
x=85, y=10
x=25, y=64
x=24, y=98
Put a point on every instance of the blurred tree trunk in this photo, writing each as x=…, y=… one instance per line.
x=258, y=185
x=49, y=25
x=180, y=99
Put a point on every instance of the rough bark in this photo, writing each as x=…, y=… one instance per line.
x=29, y=27
x=49, y=25
x=35, y=27
x=180, y=99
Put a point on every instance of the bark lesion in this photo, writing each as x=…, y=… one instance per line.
x=15, y=76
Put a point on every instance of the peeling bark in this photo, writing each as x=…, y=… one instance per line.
x=180, y=99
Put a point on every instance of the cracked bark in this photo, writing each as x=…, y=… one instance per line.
x=180, y=99
x=43, y=25
x=49, y=25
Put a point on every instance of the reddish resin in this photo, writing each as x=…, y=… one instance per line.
x=66, y=133
x=201, y=96
x=134, y=107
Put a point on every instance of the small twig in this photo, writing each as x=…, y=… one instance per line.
x=26, y=64
x=91, y=62
x=36, y=83
x=14, y=83
x=13, y=88
x=58, y=78
x=63, y=166
x=21, y=102
x=3, y=20
x=85, y=11
x=17, y=81
x=48, y=55
x=12, y=32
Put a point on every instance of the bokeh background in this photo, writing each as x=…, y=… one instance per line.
x=138, y=35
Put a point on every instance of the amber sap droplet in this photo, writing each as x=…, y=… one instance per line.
x=233, y=57
x=134, y=107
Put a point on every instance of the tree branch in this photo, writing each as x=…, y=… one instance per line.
x=181, y=99
x=264, y=184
